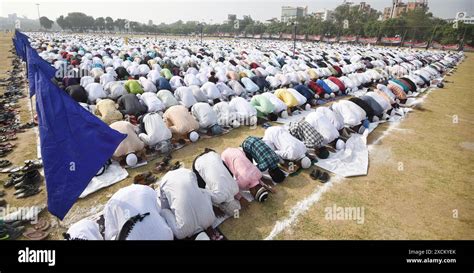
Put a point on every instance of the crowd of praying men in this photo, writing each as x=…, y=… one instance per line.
x=160, y=92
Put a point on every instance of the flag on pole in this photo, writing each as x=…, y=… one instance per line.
x=35, y=63
x=75, y=144
x=22, y=43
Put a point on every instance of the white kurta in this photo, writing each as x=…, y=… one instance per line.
x=277, y=103
x=380, y=100
x=148, y=85
x=300, y=98
x=85, y=229
x=236, y=87
x=225, y=90
x=204, y=114
x=225, y=115
x=185, y=96
x=211, y=91
x=198, y=94
x=186, y=208
x=175, y=82
x=130, y=201
x=154, y=75
x=167, y=98
x=95, y=91
x=153, y=103
x=242, y=108
x=250, y=86
x=350, y=112
x=221, y=185
x=115, y=89
x=285, y=145
x=190, y=79
x=336, y=119
x=156, y=130
x=106, y=78
x=86, y=80
x=323, y=125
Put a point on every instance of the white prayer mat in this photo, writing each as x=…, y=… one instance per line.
x=352, y=161
x=114, y=173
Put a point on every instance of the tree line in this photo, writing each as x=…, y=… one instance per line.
x=417, y=25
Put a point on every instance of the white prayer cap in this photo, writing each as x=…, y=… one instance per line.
x=253, y=120
x=284, y=114
x=202, y=237
x=305, y=162
x=340, y=144
x=131, y=160
x=193, y=136
x=307, y=107
x=235, y=124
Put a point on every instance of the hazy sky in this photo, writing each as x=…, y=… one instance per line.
x=203, y=10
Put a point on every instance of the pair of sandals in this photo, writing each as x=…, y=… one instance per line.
x=5, y=151
x=28, y=184
x=317, y=174
x=4, y=163
x=167, y=168
x=146, y=178
x=39, y=231
x=31, y=165
x=27, y=125
x=27, y=191
x=7, y=145
x=11, y=231
x=216, y=235
x=163, y=165
x=7, y=138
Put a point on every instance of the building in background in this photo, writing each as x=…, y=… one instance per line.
x=364, y=7
x=462, y=17
x=324, y=15
x=270, y=21
x=230, y=19
x=399, y=7
x=292, y=13
x=12, y=17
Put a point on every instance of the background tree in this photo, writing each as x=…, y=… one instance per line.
x=62, y=23
x=45, y=22
x=109, y=23
x=419, y=25
x=100, y=23
x=120, y=24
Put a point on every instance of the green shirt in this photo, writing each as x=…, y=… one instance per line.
x=263, y=105
x=165, y=72
x=133, y=87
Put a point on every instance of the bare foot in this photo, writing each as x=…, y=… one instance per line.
x=244, y=204
x=218, y=212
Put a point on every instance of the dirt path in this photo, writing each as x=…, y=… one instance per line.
x=25, y=148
